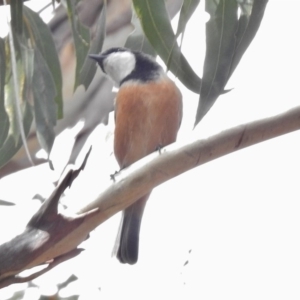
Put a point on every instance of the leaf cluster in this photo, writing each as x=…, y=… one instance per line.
x=36, y=89
x=231, y=28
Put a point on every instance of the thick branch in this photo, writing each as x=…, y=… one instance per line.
x=49, y=234
x=176, y=159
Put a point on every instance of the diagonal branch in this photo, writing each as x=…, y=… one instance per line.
x=50, y=235
x=176, y=159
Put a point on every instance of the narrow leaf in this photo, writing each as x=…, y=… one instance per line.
x=16, y=11
x=137, y=40
x=10, y=147
x=157, y=27
x=38, y=32
x=14, y=129
x=27, y=55
x=249, y=22
x=81, y=37
x=14, y=103
x=13, y=93
x=220, y=45
x=187, y=10
x=4, y=121
x=89, y=67
x=44, y=105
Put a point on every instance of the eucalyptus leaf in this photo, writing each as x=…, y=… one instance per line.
x=81, y=37
x=27, y=55
x=220, y=45
x=89, y=67
x=137, y=41
x=10, y=147
x=4, y=121
x=37, y=30
x=14, y=101
x=249, y=22
x=44, y=105
x=16, y=12
x=10, y=100
x=187, y=10
x=156, y=25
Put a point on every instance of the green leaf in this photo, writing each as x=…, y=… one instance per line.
x=157, y=27
x=10, y=147
x=249, y=22
x=27, y=55
x=44, y=105
x=245, y=6
x=16, y=13
x=89, y=67
x=137, y=41
x=220, y=46
x=4, y=121
x=187, y=10
x=11, y=98
x=81, y=37
x=38, y=32
x=14, y=101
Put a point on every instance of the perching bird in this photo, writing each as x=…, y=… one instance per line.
x=148, y=112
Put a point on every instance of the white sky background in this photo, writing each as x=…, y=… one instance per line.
x=238, y=214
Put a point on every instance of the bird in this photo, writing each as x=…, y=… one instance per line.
x=148, y=114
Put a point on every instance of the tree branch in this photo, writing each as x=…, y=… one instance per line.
x=176, y=159
x=50, y=235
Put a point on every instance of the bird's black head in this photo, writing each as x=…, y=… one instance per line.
x=122, y=64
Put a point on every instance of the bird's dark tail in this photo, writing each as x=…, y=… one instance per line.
x=127, y=243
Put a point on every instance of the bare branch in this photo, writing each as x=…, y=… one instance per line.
x=50, y=235
x=176, y=159
x=58, y=260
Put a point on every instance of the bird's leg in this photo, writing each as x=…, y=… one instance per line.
x=158, y=148
x=113, y=176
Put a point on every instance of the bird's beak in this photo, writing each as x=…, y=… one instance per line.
x=99, y=59
x=96, y=57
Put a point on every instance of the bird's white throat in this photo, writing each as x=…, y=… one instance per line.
x=118, y=65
